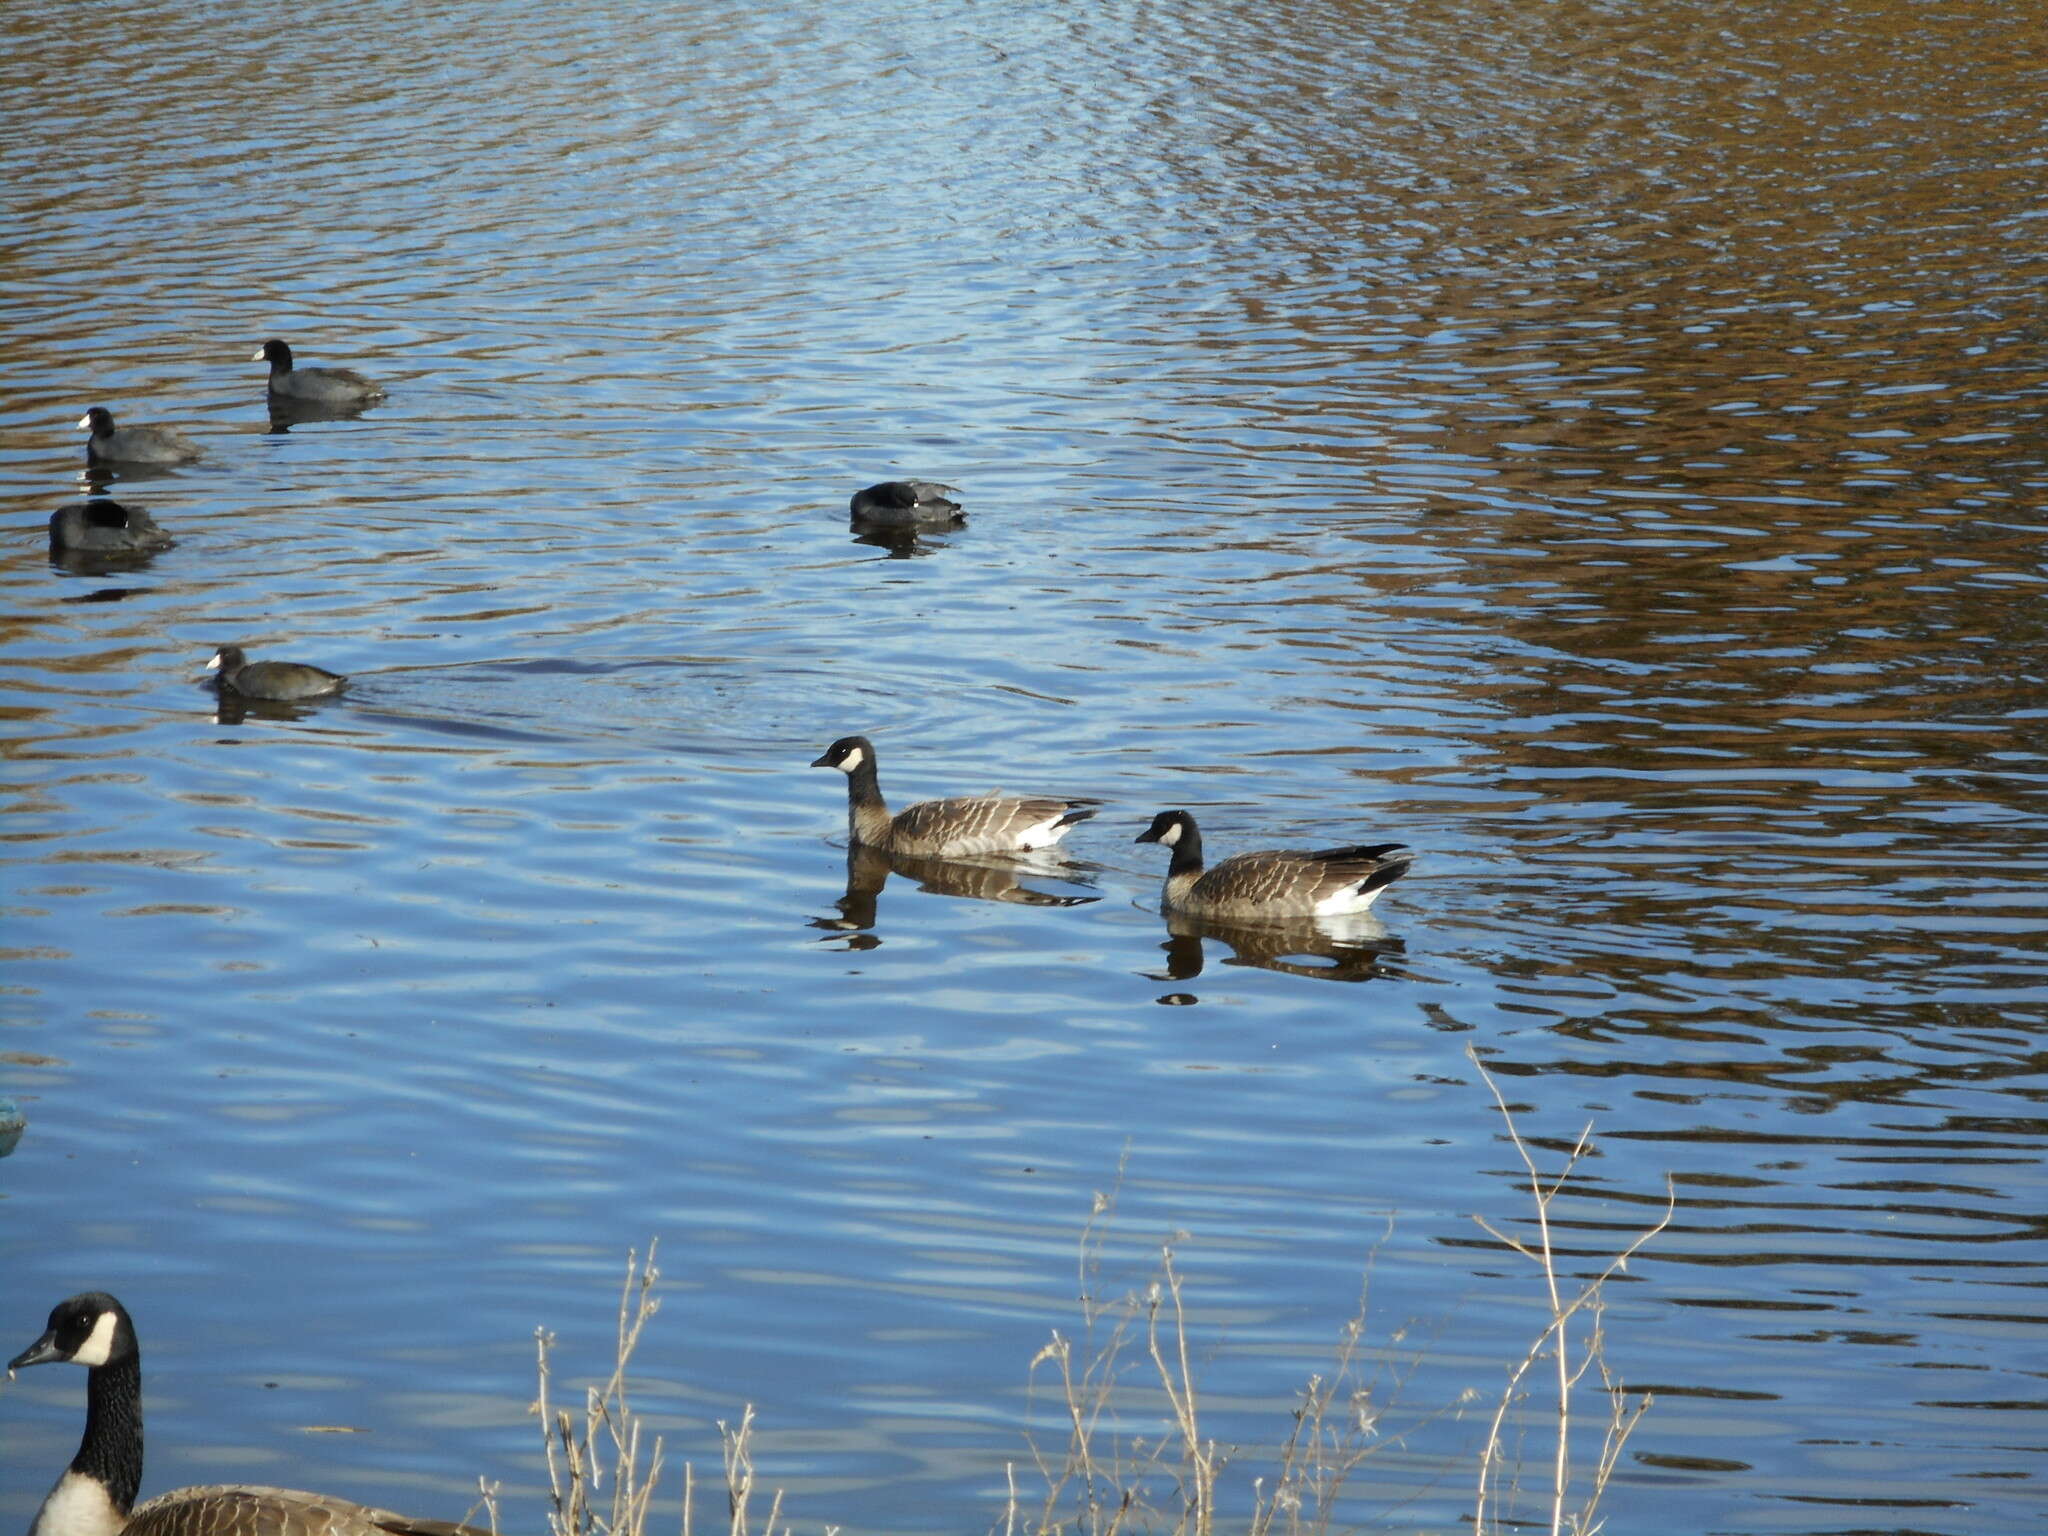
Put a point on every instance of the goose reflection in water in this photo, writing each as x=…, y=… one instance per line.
x=1353, y=948
x=868, y=870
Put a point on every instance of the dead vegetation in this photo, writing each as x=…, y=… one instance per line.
x=1130, y=1453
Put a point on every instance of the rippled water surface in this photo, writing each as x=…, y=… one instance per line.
x=1598, y=445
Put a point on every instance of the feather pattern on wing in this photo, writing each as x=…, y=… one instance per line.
x=1284, y=882
x=252, y=1510
x=982, y=824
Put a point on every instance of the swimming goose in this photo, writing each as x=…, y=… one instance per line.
x=96, y=1494
x=906, y=501
x=103, y=526
x=133, y=445
x=945, y=828
x=320, y=386
x=1274, y=883
x=279, y=681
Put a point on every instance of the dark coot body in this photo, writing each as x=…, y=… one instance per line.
x=105, y=527
x=317, y=386
x=906, y=501
x=281, y=681
x=133, y=445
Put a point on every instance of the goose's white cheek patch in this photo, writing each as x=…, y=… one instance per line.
x=98, y=1347
x=1171, y=835
x=853, y=760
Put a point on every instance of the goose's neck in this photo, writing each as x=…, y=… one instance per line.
x=111, y=1452
x=867, y=814
x=1187, y=855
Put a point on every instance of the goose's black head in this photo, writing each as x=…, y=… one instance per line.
x=847, y=754
x=99, y=421
x=275, y=353
x=88, y=1329
x=1168, y=827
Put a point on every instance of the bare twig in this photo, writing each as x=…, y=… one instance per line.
x=1556, y=1336
x=612, y=1442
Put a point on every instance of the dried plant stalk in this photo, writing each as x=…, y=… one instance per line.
x=1556, y=1338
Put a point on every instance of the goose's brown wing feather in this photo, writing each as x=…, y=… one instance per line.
x=971, y=823
x=1283, y=880
x=252, y=1510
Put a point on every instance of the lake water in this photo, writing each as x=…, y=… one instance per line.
x=1598, y=445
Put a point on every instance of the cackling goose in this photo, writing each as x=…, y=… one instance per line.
x=1275, y=883
x=945, y=828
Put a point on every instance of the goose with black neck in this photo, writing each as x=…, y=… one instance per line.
x=95, y=1495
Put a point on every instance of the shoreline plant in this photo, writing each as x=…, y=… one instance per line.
x=1136, y=1362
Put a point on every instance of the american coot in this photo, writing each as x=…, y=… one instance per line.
x=906, y=501
x=1272, y=884
x=945, y=828
x=279, y=680
x=95, y=1495
x=320, y=386
x=134, y=445
x=105, y=527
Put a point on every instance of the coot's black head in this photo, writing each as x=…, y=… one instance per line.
x=89, y=1329
x=228, y=658
x=275, y=353
x=99, y=421
x=1168, y=827
x=847, y=754
x=105, y=512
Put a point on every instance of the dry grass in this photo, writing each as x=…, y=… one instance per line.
x=1135, y=1364
x=1136, y=1359
x=608, y=1443
x=604, y=1466
x=1573, y=1498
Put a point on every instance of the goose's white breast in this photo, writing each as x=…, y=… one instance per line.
x=77, y=1506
